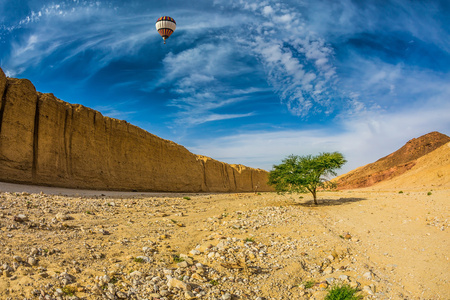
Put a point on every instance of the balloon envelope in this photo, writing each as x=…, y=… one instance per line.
x=165, y=26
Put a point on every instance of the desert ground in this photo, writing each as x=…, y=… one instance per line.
x=70, y=244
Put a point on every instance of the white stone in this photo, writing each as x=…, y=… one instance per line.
x=343, y=277
x=226, y=296
x=17, y=258
x=136, y=274
x=368, y=275
x=144, y=258
x=194, y=252
x=182, y=264
x=367, y=290
x=175, y=283
x=32, y=261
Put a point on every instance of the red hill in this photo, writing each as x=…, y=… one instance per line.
x=393, y=164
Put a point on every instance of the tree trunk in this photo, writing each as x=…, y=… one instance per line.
x=315, y=197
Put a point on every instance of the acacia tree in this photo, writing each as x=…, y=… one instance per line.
x=306, y=173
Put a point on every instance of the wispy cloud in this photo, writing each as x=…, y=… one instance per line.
x=297, y=62
x=422, y=19
x=74, y=28
x=391, y=87
x=210, y=117
x=198, y=77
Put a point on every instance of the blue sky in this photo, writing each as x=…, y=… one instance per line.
x=245, y=81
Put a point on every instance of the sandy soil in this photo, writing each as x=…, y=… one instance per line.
x=391, y=244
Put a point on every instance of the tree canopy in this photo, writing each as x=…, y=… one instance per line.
x=306, y=173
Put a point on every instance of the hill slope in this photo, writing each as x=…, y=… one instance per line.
x=431, y=170
x=393, y=164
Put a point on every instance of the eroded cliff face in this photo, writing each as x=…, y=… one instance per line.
x=46, y=141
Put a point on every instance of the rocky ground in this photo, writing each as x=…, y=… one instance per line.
x=389, y=244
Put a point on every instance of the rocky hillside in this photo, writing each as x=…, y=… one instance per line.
x=394, y=164
x=431, y=170
x=46, y=141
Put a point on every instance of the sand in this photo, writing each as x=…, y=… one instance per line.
x=392, y=244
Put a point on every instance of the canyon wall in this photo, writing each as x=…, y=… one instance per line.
x=46, y=141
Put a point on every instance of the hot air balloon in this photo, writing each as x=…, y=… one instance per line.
x=165, y=26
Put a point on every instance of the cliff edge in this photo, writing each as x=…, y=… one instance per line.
x=46, y=141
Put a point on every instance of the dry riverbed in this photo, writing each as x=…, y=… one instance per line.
x=390, y=245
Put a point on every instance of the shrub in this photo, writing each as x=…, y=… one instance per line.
x=139, y=259
x=309, y=284
x=343, y=292
x=177, y=258
x=69, y=290
x=214, y=282
x=187, y=198
x=429, y=193
x=114, y=280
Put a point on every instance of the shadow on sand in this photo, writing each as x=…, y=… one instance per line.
x=330, y=202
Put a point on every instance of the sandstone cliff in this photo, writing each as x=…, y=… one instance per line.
x=46, y=141
x=394, y=164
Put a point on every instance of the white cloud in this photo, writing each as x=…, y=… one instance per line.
x=198, y=119
x=298, y=63
x=9, y=73
x=29, y=45
x=197, y=77
x=56, y=28
x=299, y=86
x=267, y=10
x=393, y=86
x=287, y=18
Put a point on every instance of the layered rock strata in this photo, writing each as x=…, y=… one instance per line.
x=46, y=141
